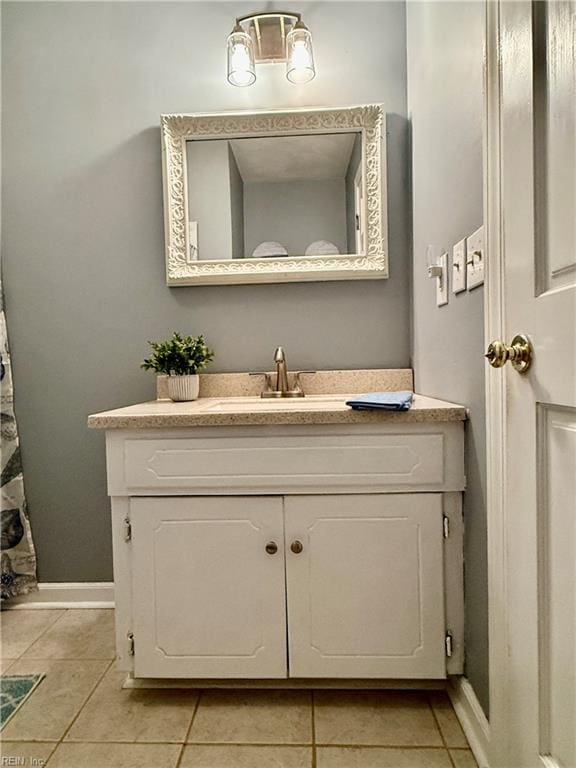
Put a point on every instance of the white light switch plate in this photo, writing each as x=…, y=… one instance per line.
x=459, y=267
x=475, y=258
x=442, y=282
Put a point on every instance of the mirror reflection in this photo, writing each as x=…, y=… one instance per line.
x=275, y=196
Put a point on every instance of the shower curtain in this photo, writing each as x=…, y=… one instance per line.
x=17, y=558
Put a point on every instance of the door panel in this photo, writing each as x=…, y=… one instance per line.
x=532, y=193
x=209, y=601
x=365, y=595
x=554, y=86
x=557, y=583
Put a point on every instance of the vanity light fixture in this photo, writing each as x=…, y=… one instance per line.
x=270, y=38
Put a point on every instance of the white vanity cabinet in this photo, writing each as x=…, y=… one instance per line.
x=288, y=552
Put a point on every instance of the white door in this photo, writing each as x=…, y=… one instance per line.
x=532, y=260
x=365, y=586
x=208, y=587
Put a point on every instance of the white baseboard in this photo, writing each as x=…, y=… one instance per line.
x=472, y=718
x=84, y=594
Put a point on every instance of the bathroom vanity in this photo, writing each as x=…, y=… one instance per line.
x=287, y=540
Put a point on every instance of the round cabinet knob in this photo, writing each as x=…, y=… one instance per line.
x=519, y=352
x=296, y=547
x=271, y=547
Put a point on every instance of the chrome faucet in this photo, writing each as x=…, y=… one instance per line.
x=282, y=385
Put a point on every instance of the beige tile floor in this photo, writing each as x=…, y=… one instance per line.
x=80, y=717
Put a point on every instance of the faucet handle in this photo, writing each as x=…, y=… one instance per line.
x=267, y=380
x=297, y=382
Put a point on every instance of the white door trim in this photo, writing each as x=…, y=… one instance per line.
x=494, y=314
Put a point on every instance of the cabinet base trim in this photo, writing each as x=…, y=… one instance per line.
x=316, y=684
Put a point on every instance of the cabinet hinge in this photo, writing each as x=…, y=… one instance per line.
x=127, y=529
x=130, y=637
x=448, y=643
x=446, y=526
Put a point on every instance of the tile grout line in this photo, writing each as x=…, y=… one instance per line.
x=61, y=739
x=299, y=744
x=407, y=747
x=289, y=745
x=60, y=658
x=64, y=612
x=429, y=699
x=189, y=743
x=86, y=700
x=188, y=730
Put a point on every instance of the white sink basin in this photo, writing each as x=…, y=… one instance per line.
x=308, y=403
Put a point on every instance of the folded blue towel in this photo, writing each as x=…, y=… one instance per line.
x=386, y=401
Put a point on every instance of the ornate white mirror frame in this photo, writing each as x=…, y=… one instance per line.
x=369, y=120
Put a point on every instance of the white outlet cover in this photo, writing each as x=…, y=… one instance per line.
x=442, y=282
x=459, y=267
x=475, y=258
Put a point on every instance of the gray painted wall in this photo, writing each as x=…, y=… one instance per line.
x=236, y=207
x=82, y=238
x=210, y=197
x=295, y=214
x=355, y=160
x=445, y=48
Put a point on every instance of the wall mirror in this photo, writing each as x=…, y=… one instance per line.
x=285, y=196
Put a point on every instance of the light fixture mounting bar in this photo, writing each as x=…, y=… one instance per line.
x=268, y=32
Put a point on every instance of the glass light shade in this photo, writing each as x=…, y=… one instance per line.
x=299, y=55
x=241, y=69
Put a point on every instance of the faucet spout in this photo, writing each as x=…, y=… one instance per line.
x=281, y=371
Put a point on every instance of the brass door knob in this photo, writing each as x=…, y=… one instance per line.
x=271, y=547
x=296, y=547
x=519, y=352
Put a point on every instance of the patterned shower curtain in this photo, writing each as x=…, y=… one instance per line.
x=17, y=559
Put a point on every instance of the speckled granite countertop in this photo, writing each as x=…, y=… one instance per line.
x=253, y=411
x=232, y=399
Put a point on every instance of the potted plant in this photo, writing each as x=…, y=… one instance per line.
x=180, y=357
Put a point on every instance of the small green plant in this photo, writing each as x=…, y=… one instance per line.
x=178, y=356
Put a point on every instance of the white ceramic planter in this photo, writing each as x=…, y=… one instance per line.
x=183, y=387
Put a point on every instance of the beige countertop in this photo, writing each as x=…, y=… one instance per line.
x=254, y=411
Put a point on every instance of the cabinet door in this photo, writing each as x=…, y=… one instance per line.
x=208, y=599
x=366, y=593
